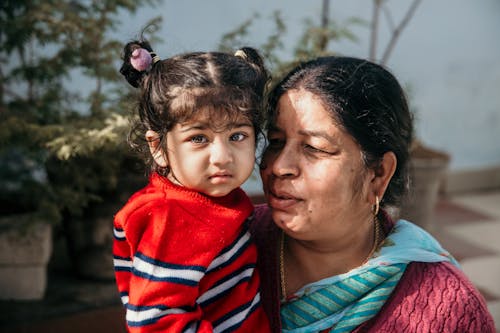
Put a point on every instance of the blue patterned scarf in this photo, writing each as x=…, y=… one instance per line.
x=345, y=301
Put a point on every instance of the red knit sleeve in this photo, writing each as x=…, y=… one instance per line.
x=159, y=294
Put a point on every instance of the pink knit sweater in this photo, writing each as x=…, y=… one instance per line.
x=430, y=297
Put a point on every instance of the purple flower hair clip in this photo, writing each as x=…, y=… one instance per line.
x=141, y=59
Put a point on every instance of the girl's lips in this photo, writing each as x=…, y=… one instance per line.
x=220, y=178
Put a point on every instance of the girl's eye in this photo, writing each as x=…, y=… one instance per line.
x=198, y=139
x=238, y=137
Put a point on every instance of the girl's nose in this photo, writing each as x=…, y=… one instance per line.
x=220, y=153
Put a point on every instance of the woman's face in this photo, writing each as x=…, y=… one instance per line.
x=313, y=174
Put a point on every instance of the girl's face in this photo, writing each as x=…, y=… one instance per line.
x=213, y=162
x=313, y=173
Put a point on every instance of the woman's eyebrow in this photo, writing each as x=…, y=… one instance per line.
x=320, y=134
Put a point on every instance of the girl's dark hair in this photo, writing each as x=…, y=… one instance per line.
x=175, y=89
x=367, y=101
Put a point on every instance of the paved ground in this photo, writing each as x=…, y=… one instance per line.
x=468, y=225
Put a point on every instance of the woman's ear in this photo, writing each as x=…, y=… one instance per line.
x=383, y=174
x=157, y=152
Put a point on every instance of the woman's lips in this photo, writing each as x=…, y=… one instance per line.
x=282, y=200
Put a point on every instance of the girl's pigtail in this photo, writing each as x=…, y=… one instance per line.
x=138, y=58
x=251, y=56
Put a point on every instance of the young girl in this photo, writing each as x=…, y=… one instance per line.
x=183, y=258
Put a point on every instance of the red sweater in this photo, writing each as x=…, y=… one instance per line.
x=430, y=297
x=184, y=261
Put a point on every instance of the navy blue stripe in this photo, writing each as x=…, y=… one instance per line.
x=228, y=277
x=122, y=258
x=160, y=307
x=168, y=265
x=235, y=256
x=234, y=312
x=196, y=326
x=122, y=269
x=119, y=238
x=177, y=280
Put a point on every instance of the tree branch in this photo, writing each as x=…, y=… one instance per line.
x=396, y=32
x=323, y=43
x=374, y=29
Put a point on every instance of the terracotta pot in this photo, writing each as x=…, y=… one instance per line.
x=427, y=170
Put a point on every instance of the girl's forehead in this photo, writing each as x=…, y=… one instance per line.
x=217, y=117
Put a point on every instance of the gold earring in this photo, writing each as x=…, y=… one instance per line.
x=376, y=207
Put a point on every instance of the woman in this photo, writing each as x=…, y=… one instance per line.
x=332, y=260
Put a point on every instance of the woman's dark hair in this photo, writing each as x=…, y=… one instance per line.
x=367, y=101
x=175, y=89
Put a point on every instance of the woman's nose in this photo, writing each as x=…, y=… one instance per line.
x=284, y=163
x=220, y=153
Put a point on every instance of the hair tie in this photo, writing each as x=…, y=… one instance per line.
x=241, y=54
x=156, y=58
x=141, y=59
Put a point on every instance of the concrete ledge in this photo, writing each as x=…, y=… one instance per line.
x=472, y=180
x=15, y=284
x=24, y=254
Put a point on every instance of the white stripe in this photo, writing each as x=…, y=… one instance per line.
x=124, y=299
x=164, y=272
x=118, y=233
x=229, y=254
x=238, y=317
x=122, y=263
x=225, y=286
x=137, y=316
x=192, y=328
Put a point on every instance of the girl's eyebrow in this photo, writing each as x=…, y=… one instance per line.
x=195, y=126
x=204, y=126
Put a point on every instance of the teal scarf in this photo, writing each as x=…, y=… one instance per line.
x=345, y=301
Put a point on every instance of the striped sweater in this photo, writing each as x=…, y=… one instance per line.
x=184, y=262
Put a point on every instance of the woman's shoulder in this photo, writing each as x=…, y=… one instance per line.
x=434, y=297
x=440, y=278
x=262, y=211
x=262, y=226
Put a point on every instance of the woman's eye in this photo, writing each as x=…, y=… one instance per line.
x=198, y=139
x=238, y=137
x=313, y=149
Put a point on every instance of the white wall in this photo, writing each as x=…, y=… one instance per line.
x=449, y=54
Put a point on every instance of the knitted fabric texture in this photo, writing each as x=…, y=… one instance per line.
x=185, y=261
x=430, y=297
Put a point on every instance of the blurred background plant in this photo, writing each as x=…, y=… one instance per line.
x=64, y=107
x=62, y=142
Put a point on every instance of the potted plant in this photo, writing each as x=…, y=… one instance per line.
x=61, y=148
x=428, y=168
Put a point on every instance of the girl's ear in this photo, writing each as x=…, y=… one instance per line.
x=157, y=152
x=383, y=174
